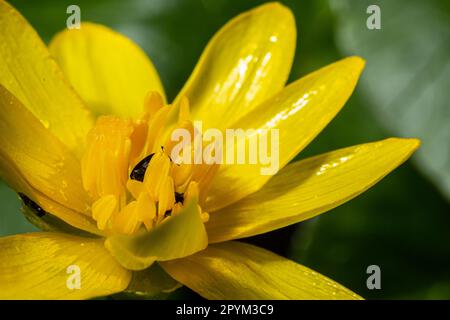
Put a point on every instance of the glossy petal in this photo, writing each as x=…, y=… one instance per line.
x=34, y=162
x=57, y=218
x=299, y=112
x=38, y=266
x=29, y=73
x=178, y=236
x=309, y=187
x=17, y=182
x=245, y=63
x=235, y=270
x=109, y=71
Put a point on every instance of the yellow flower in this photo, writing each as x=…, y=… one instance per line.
x=83, y=140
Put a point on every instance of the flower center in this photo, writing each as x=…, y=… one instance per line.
x=127, y=170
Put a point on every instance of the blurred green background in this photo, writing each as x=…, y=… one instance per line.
x=403, y=223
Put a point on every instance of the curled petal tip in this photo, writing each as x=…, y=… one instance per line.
x=413, y=143
x=354, y=62
x=276, y=8
x=274, y=5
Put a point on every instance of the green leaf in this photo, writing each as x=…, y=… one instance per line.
x=407, y=73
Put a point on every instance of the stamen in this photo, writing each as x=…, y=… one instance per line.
x=146, y=208
x=156, y=174
x=128, y=172
x=152, y=104
x=155, y=129
x=105, y=164
x=103, y=209
x=135, y=187
x=166, y=196
x=191, y=193
x=181, y=176
x=127, y=221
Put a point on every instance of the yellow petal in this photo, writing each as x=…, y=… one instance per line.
x=299, y=112
x=50, y=222
x=29, y=73
x=245, y=63
x=178, y=236
x=28, y=149
x=235, y=270
x=309, y=187
x=16, y=181
x=73, y=218
x=109, y=71
x=44, y=266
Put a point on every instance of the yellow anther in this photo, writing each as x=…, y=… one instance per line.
x=122, y=202
x=166, y=196
x=155, y=129
x=204, y=215
x=105, y=163
x=173, y=141
x=135, y=187
x=181, y=174
x=191, y=192
x=146, y=208
x=138, y=139
x=157, y=173
x=103, y=209
x=152, y=104
x=127, y=220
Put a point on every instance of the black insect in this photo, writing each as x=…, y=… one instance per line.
x=138, y=174
x=33, y=206
x=138, y=171
x=179, y=197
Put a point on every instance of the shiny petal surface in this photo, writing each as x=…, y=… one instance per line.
x=299, y=113
x=29, y=72
x=52, y=222
x=40, y=266
x=109, y=71
x=17, y=182
x=310, y=187
x=74, y=218
x=235, y=270
x=180, y=235
x=31, y=155
x=245, y=63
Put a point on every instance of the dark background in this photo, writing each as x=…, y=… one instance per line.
x=401, y=224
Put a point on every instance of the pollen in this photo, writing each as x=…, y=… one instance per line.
x=128, y=172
